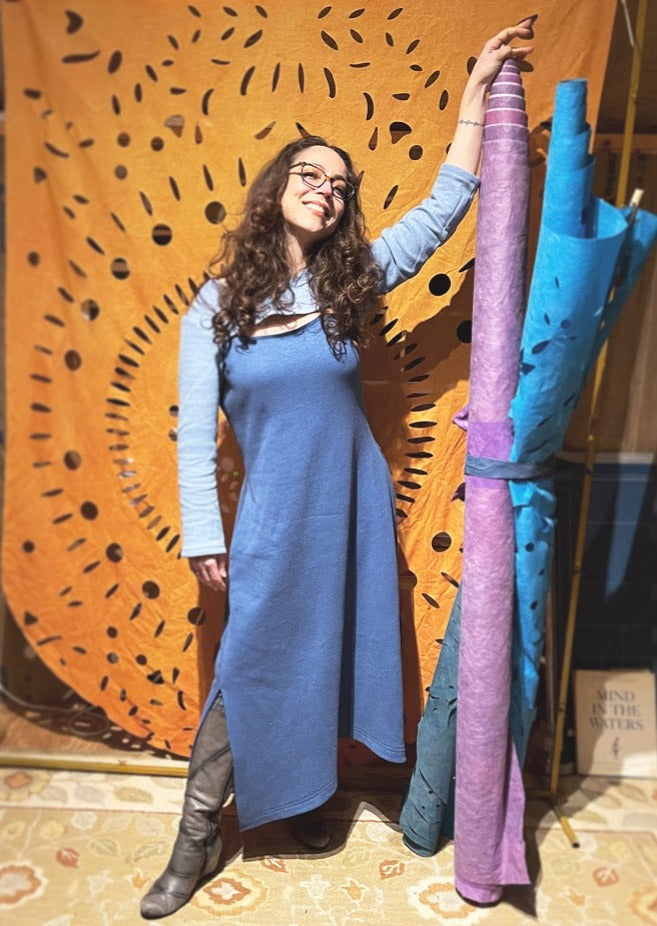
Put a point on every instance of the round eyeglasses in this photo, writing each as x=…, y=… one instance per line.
x=315, y=177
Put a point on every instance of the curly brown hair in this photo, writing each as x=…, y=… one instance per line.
x=253, y=268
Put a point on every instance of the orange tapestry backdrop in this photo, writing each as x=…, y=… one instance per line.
x=133, y=129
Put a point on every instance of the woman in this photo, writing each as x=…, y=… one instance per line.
x=311, y=649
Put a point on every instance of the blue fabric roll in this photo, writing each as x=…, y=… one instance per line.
x=583, y=243
x=569, y=108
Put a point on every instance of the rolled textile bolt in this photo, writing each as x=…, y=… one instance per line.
x=488, y=846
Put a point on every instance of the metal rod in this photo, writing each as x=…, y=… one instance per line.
x=80, y=763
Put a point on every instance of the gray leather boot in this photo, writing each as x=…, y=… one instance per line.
x=198, y=845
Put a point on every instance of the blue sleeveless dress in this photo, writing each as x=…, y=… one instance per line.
x=311, y=649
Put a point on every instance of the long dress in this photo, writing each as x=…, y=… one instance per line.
x=311, y=649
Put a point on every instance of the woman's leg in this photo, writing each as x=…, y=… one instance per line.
x=198, y=844
x=310, y=830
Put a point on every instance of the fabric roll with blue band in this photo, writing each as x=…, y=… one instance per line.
x=488, y=468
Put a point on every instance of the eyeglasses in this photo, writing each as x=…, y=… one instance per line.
x=315, y=177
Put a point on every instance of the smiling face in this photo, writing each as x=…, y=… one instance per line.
x=310, y=215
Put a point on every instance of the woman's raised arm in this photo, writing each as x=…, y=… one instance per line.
x=465, y=150
x=402, y=249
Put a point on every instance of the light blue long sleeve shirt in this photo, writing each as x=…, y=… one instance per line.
x=400, y=252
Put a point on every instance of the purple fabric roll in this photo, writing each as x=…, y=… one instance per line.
x=506, y=116
x=489, y=847
x=502, y=102
x=504, y=132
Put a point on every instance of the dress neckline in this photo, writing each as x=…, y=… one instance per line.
x=281, y=334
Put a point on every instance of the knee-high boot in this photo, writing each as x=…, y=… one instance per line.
x=198, y=845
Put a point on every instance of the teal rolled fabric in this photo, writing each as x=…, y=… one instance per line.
x=586, y=249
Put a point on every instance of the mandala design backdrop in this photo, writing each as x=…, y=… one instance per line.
x=133, y=130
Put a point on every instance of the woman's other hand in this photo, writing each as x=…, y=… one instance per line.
x=210, y=570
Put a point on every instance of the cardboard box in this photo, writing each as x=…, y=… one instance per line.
x=615, y=724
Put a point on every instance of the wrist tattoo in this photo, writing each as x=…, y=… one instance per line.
x=470, y=122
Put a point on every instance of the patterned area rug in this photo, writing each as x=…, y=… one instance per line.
x=79, y=849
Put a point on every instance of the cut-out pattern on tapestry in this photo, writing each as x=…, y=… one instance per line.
x=129, y=150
